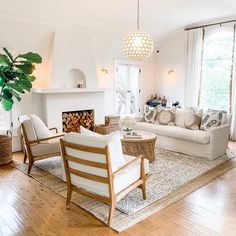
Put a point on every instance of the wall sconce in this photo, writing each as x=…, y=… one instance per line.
x=171, y=73
x=104, y=71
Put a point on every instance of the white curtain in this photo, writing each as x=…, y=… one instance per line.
x=233, y=102
x=194, y=49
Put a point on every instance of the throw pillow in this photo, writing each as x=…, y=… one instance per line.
x=88, y=132
x=226, y=119
x=211, y=119
x=165, y=116
x=149, y=114
x=115, y=147
x=189, y=118
x=41, y=130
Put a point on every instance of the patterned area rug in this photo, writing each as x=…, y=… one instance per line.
x=174, y=175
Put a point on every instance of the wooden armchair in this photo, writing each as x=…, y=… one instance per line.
x=34, y=148
x=88, y=169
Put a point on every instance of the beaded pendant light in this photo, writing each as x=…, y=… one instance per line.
x=137, y=45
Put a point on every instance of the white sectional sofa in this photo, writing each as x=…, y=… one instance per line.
x=208, y=144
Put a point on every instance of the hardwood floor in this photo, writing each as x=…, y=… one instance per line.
x=28, y=208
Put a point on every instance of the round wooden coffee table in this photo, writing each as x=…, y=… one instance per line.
x=136, y=146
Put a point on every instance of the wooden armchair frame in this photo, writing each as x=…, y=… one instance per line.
x=113, y=198
x=27, y=147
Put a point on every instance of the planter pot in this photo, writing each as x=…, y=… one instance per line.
x=6, y=148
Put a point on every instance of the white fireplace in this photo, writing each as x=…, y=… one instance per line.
x=56, y=101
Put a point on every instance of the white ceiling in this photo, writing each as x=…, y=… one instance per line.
x=158, y=17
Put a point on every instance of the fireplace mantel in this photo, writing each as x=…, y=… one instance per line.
x=55, y=101
x=67, y=90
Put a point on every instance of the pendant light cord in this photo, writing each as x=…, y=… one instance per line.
x=138, y=15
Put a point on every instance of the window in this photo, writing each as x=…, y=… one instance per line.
x=215, y=90
x=127, y=92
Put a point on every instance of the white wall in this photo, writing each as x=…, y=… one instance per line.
x=21, y=36
x=171, y=56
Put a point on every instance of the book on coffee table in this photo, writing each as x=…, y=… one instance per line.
x=132, y=136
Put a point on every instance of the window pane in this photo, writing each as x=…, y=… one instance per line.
x=127, y=89
x=216, y=71
x=218, y=46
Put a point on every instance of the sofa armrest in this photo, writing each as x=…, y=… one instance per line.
x=222, y=130
x=219, y=137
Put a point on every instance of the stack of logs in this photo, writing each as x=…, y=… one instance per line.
x=71, y=121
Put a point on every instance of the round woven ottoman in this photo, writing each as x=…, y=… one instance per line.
x=144, y=146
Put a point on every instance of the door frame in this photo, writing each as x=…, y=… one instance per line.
x=129, y=63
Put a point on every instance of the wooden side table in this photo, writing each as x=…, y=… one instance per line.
x=144, y=146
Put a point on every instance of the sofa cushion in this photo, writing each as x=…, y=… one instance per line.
x=211, y=119
x=149, y=114
x=189, y=118
x=165, y=116
x=196, y=136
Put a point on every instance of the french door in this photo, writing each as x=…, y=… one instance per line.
x=127, y=89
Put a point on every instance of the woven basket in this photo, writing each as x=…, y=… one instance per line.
x=102, y=129
x=6, y=148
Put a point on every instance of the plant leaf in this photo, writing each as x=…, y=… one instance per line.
x=25, y=84
x=31, y=78
x=4, y=60
x=16, y=87
x=26, y=67
x=8, y=54
x=7, y=104
x=32, y=57
x=7, y=93
x=16, y=95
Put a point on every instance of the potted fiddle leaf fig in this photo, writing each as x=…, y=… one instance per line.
x=16, y=76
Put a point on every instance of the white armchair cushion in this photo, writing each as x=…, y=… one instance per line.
x=111, y=140
x=46, y=148
x=121, y=180
x=41, y=129
x=88, y=132
x=29, y=128
x=130, y=174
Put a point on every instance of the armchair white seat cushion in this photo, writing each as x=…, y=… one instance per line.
x=130, y=175
x=52, y=146
x=121, y=180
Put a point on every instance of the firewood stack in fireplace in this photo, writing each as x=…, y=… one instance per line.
x=71, y=121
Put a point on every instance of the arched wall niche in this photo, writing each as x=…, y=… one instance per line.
x=76, y=77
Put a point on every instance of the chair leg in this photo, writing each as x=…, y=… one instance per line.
x=25, y=157
x=143, y=187
x=111, y=213
x=30, y=166
x=68, y=198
